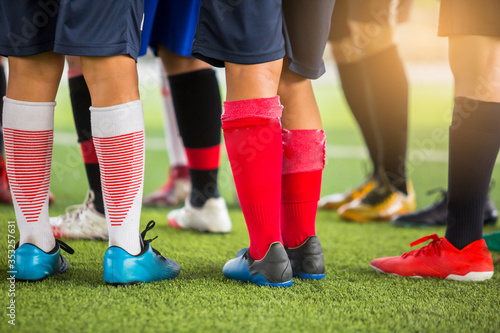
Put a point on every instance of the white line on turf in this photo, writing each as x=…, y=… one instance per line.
x=332, y=151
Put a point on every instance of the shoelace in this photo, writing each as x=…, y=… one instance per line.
x=73, y=211
x=439, y=199
x=65, y=246
x=151, y=224
x=432, y=247
x=62, y=246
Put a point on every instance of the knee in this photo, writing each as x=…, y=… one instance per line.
x=108, y=69
x=366, y=40
x=176, y=64
x=45, y=67
x=475, y=67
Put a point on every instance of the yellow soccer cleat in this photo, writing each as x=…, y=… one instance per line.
x=336, y=200
x=381, y=204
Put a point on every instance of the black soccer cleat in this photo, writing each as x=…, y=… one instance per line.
x=273, y=270
x=307, y=259
x=435, y=215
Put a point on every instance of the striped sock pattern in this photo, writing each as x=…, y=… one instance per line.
x=118, y=134
x=29, y=156
x=121, y=159
x=28, y=134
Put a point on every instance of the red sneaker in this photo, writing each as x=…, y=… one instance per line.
x=440, y=259
x=174, y=192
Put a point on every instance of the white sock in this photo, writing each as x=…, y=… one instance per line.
x=118, y=133
x=28, y=132
x=173, y=140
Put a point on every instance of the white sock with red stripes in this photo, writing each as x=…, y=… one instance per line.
x=28, y=132
x=118, y=133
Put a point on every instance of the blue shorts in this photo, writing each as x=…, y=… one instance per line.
x=70, y=27
x=149, y=16
x=174, y=26
x=258, y=31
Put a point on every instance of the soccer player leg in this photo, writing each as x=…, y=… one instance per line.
x=474, y=144
x=117, y=125
x=352, y=77
x=177, y=186
x=254, y=145
x=28, y=121
x=118, y=135
x=196, y=98
x=85, y=221
x=303, y=163
x=474, y=134
x=369, y=59
x=251, y=126
x=307, y=28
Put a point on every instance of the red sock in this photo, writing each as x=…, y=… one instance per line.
x=303, y=163
x=88, y=152
x=252, y=133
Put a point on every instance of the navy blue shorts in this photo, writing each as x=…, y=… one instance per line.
x=465, y=17
x=174, y=25
x=70, y=27
x=259, y=31
x=378, y=12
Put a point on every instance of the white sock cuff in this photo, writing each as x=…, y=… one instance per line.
x=28, y=116
x=117, y=119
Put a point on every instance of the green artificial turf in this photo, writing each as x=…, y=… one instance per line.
x=351, y=298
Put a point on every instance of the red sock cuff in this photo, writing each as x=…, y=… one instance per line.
x=88, y=152
x=203, y=158
x=303, y=150
x=253, y=108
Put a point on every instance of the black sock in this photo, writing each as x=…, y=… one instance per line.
x=354, y=85
x=474, y=145
x=389, y=99
x=197, y=105
x=3, y=90
x=81, y=102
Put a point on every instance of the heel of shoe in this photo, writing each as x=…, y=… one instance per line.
x=307, y=260
x=275, y=267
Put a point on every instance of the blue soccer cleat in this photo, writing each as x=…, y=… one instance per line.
x=307, y=260
x=273, y=270
x=122, y=268
x=33, y=264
